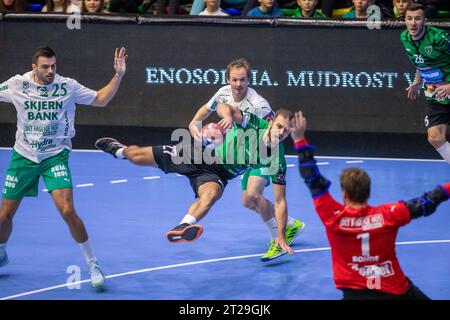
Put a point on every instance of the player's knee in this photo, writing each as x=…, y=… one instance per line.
x=249, y=201
x=211, y=196
x=5, y=216
x=436, y=139
x=68, y=212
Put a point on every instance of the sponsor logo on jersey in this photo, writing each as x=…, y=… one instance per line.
x=383, y=270
x=373, y=221
x=3, y=88
x=42, y=146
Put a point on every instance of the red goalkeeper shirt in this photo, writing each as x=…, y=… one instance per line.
x=363, y=244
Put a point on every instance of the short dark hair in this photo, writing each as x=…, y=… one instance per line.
x=239, y=63
x=355, y=183
x=43, y=52
x=285, y=113
x=414, y=6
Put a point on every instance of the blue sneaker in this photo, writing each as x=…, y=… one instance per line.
x=97, y=277
x=4, y=260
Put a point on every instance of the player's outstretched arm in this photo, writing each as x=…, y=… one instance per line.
x=228, y=115
x=281, y=214
x=427, y=203
x=105, y=94
x=196, y=123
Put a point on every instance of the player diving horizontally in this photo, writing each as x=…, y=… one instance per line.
x=209, y=180
x=239, y=95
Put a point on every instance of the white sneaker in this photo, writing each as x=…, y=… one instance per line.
x=97, y=277
x=4, y=260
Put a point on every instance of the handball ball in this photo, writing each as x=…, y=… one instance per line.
x=212, y=135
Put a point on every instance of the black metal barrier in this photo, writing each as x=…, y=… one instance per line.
x=343, y=75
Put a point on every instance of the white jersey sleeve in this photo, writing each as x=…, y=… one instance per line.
x=221, y=96
x=264, y=111
x=82, y=95
x=6, y=90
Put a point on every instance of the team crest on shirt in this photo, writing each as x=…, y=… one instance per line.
x=25, y=85
x=43, y=91
x=428, y=50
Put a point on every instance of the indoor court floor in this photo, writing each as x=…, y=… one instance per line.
x=127, y=210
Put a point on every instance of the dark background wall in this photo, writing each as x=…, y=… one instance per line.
x=374, y=57
x=345, y=77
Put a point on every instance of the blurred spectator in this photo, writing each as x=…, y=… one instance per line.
x=64, y=6
x=172, y=7
x=77, y=3
x=125, y=6
x=397, y=11
x=199, y=5
x=359, y=10
x=266, y=9
x=93, y=6
x=12, y=6
x=432, y=6
x=305, y=9
x=326, y=6
x=213, y=9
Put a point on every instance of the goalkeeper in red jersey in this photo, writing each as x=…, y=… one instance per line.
x=362, y=237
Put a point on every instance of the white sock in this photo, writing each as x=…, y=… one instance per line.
x=444, y=151
x=290, y=221
x=87, y=251
x=272, y=226
x=2, y=249
x=119, y=153
x=189, y=219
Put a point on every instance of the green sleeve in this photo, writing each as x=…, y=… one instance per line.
x=442, y=42
x=251, y=121
x=290, y=12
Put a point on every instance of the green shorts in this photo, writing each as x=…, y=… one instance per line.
x=22, y=176
x=256, y=173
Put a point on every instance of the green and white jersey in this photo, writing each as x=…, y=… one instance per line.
x=244, y=149
x=45, y=113
x=431, y=56
x=252, y=102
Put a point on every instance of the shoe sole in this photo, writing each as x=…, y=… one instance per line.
x=272, y=258
x=300, y=230
x=188, y=234
x=95, y=144
x=97, y=285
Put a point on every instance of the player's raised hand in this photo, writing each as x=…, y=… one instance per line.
x=120, y=57
x=413, y=91
x=298, y=126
